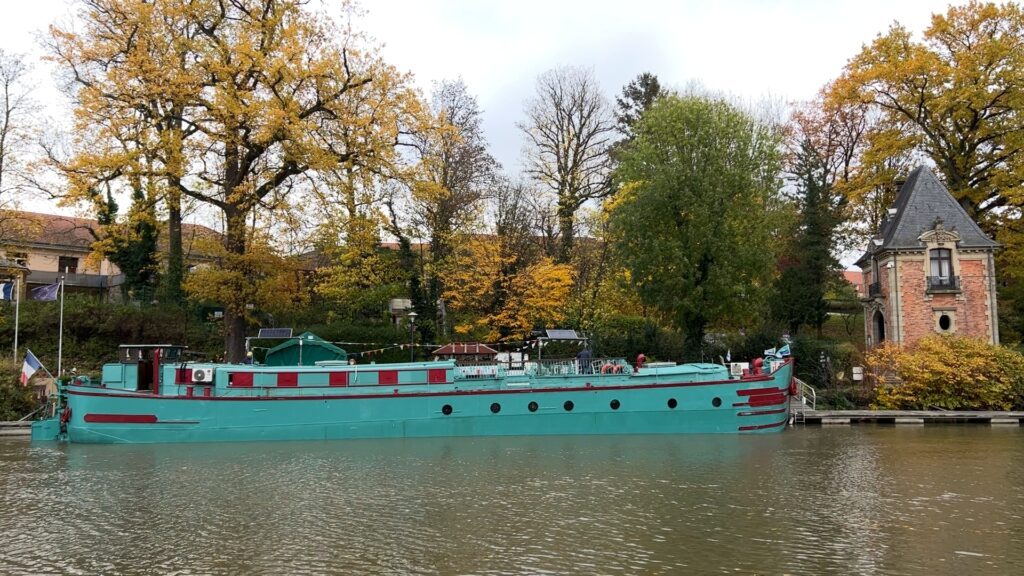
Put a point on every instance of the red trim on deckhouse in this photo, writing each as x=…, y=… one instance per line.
x=418, y=394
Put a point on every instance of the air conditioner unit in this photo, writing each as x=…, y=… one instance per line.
x=736, y=368
x=202, y=375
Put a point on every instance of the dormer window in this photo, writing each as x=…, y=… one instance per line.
x=942, y=263
x=941, y=271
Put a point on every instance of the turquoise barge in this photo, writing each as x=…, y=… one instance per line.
x=153, y=395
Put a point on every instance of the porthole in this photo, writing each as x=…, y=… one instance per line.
x=945, y=322
x=614, y=404
x=446, y=409
x=672, y=403
x=495, y=408
x=716, y=402
x=568, y=405
x=532, y=406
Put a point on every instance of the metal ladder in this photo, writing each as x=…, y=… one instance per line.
x=806, y=398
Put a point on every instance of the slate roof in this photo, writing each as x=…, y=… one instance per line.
x=921, y=200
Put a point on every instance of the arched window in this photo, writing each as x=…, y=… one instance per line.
x=879, y=327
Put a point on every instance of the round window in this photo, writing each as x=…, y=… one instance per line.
x=446, y=409
x=568, y=405
x=495, y=408
x=532, y=406
x=716, y=402
x=614, y=404
x=672, y=403
x=945, y=322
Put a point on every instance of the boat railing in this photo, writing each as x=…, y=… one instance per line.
x=478, y=370
x=576, y=367
x=553, y=367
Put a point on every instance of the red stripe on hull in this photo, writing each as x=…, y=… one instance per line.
x=762, y=412
x=760, y=391
x=761, y=401
x=121, y=418
x=762, y=426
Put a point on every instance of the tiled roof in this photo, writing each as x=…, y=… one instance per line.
x=53, y=230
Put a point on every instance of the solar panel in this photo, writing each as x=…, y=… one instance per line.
x=562, y=335
x=275, y=333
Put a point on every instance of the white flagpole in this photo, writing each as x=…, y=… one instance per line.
x=17, y=306
x=60, y=337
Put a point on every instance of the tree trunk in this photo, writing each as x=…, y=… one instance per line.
x=175, y=257
x=234, y=244
x=234, y=310
x=566, y=215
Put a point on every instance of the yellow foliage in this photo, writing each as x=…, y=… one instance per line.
x=495, y=299
x=948, y=372
x=257, y=281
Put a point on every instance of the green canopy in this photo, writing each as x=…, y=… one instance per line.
x=304, y=350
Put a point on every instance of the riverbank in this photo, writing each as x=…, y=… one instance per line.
x=918, y=417
x=16, y=428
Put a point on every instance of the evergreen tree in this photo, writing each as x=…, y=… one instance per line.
x=809, y=267
x=637, y=97
x=131, y=245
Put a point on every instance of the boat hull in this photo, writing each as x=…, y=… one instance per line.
x=732, y=406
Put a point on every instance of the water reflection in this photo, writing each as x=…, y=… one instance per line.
x=861, y=500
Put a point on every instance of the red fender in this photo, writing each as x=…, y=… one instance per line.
x=65, y=415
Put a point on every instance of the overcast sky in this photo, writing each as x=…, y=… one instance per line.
x=752, y=50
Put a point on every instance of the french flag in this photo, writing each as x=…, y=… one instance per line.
x=29, y=367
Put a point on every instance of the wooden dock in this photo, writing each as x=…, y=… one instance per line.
x=906, y=417
x=16, y=428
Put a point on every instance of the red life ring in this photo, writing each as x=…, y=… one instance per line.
x=65, y=415
x=607, y=368
x=617, y=369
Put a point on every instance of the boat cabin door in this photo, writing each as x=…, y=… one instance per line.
x=143, y=362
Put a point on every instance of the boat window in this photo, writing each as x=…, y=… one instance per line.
x=716, y=402
x=532, y=406
x=614, y=404
x=568, y=405
x=446, y=409
x=495, y=408
x=672, y=403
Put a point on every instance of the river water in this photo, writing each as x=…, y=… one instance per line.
x=846, y=500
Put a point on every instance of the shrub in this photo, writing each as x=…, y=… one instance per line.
x=949, y=372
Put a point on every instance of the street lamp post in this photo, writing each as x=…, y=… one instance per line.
x=412, y=335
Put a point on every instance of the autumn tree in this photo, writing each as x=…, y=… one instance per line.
x=281, y=94
x=359, y=276
x=956, y=96
x=454, y=174
x=456, y=170
x=132, y=75
x=693, y=217
x=569, y=129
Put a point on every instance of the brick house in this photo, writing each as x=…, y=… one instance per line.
x=930, y=269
